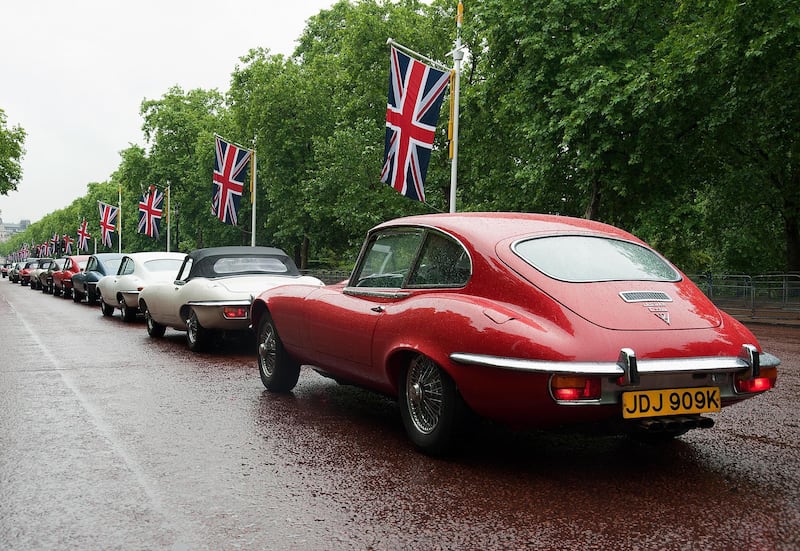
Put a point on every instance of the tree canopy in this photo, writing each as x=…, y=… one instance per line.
x=12, y=142
x=676, y=121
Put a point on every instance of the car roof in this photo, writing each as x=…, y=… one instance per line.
x=199, y=254
x=204, y=259
x=489, y=228
x=155, y=255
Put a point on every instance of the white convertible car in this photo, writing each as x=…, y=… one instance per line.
x=136, y=271
x=213, y=291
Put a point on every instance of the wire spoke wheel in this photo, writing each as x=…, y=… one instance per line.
x=431, y=406
x=197, y=336
x=278, y=371
x=267, y=350
x=424, y=394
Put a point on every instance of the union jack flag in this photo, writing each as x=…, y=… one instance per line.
x=83, y=236
x=108, y=216
x=150, y=212
x=68, y=241
x=230, y=169
x=416, y=92
x=53, y=248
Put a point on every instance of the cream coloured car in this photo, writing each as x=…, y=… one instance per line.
x=136, y=271
x=213, y=291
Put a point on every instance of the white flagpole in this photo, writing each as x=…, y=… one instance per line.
x=119, y=215
x=169, y=218
x=458, y=55
x=253, y=196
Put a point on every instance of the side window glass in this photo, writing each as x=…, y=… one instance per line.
x=183, y=274
x=127, y=267
x=388, y=259
x=442, y=263
x=92, y=265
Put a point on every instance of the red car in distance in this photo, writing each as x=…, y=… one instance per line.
x=25, y=272
x=61, y=280
x=525, y=319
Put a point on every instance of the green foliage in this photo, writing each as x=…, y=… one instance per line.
x=678, y=121
x=12, y=140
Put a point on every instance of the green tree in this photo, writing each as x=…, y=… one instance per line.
x=727, y=81
x=557, y=107
x=12, y=140
x=180, y=128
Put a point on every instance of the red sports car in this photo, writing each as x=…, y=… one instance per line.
x=61, y=281
x=521, y=318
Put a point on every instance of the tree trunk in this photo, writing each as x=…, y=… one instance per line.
x=593, y=209
x=792, y=231
x=304, y=253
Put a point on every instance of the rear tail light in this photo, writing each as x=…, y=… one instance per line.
x=235, y=312
x=765, y=381
x=570, y=388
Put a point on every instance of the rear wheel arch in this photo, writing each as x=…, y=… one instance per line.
x=399, y=359
x=257, y=311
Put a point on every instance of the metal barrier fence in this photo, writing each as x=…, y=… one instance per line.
x=768, y=296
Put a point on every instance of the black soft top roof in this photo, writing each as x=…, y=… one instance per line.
x=203, y=260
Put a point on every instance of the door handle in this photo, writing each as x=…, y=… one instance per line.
x=378, y=309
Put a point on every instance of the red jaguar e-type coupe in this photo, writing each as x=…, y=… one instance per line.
x=521, y=318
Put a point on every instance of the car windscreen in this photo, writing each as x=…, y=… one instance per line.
x=583, y=259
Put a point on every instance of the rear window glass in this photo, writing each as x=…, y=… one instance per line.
x=249, y=265
x=113, y=265
x=164, y=265
x=581, y=259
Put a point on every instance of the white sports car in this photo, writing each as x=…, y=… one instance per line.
x=214, y=290
x=136, y=271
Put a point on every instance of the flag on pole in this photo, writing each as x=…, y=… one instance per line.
x=230, y=169
x=68, y=241
x=108, y=216
x=53, y=249
x=83, y=236
x=416, y=92
x=150, y=211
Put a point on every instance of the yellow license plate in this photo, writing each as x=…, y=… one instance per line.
x=675, y=401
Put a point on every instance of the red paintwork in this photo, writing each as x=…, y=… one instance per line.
x=62, y=279
x=506, y=309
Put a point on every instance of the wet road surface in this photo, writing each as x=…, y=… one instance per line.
x=112, y=440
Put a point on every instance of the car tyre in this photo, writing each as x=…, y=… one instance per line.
x=91, y=296
x=278, y=371
x=430, y=405
x=197, y=336
x=107, y=310
x=56, y=290
x=154, y=329
x=77, y=296
x=128, y=313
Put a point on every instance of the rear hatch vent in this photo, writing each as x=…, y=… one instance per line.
x=645, y=296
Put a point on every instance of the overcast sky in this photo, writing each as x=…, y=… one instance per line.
x=74, y=73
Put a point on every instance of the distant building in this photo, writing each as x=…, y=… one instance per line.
x=7, y=230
